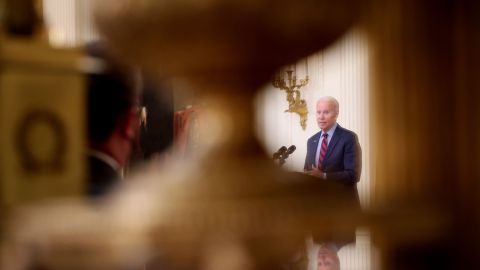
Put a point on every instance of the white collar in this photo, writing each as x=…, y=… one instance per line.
x=330, y=131
x=105, y=158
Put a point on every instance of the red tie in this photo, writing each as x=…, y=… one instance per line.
x=323, y=150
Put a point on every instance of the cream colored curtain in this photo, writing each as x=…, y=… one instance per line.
x=69, y=22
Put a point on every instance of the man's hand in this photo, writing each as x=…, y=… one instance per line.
x=315, y=171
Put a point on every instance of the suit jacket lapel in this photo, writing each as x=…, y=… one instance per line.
x=333, y=142
x=315, y=141
x=314, y=146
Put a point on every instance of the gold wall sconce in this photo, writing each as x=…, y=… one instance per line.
x=295, y=102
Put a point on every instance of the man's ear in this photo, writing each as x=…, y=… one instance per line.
x=130, y=124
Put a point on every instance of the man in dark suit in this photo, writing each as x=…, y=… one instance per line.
x=113, y=119
x=334, y=154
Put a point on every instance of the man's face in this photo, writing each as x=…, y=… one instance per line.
x=326, y=115
x=327, y=260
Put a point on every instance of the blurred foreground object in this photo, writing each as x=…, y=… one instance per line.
x=228, y=206
x=424, y=99
x=233, y=200
x=20, y=17
x=239, y=41
x=426, y=128
x=41, y=118
x=113, y=118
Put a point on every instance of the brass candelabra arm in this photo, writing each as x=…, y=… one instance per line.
x=303, y=82
x=279, y=83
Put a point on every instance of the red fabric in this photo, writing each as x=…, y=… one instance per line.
x=183, y=128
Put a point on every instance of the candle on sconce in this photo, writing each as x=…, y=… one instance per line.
x=294, y=73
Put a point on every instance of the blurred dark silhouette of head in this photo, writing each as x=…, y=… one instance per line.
x=113, y=104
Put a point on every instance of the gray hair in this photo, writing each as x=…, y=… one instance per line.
x=331, y=100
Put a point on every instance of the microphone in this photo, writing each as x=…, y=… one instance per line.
x=290, y=150
x=280, y=152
